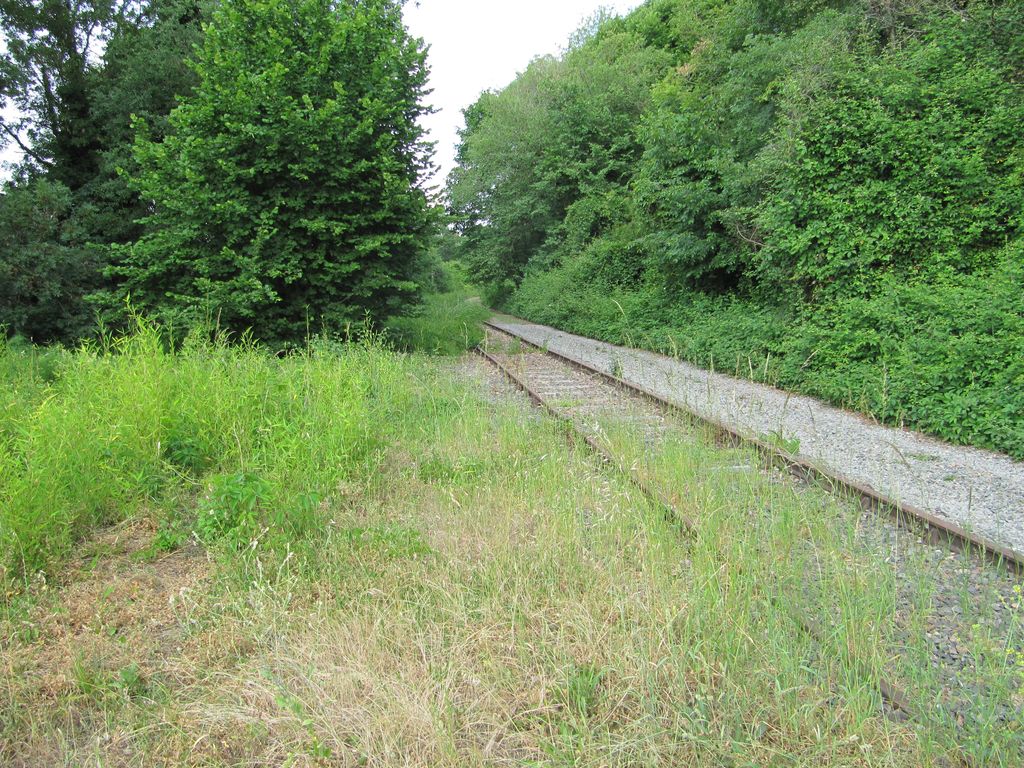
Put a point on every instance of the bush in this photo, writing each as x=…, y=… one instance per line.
x=129, y=425
x=717, y=332
x=911, y=165
x=233, y=508
x=945, y=356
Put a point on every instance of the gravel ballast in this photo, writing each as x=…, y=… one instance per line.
x=979, y=490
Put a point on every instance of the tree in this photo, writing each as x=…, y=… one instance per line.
x=543, y=163
x=41, y=268
x=143, y=72
x=69, y=109
x=44, y=75
x=506, y=195
x=288, y=190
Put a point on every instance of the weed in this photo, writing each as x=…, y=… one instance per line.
x=441, y=469
x=233, y=509
x=128, y=425
x=385, y=542
x=314, y=748
x=100, y=685
x=186, y=452
x=582, y=690
x=787, y=445
x=169, y=538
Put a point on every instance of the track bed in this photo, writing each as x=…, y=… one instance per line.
x=978, y=492
x=949, y=620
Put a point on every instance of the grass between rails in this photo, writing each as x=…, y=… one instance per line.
x=815, y=559
x=466, y=590
x=818, y=560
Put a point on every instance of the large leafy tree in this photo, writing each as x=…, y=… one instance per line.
x=42, y=269
x=49, y=51
x=71, y=76
x=544, y=162
x=50, y=47
x=508, y=138
x=144, y=70
x=287, y=192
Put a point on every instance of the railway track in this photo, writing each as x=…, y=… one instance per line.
x=994, y=558
x=938, y=530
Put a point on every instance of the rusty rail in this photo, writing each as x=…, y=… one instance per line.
x=576, y=434
x=892, y=695
x=939, y=530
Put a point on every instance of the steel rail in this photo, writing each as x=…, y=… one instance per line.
x=576, y=434
x=907, y=516
x=891, y=694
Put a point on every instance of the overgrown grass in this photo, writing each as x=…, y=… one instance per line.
x=448, y=322
x=408, y=573
x=788, y=556
x=247, y=443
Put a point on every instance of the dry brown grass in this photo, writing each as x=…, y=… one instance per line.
x=491, y=598
x=114, y=610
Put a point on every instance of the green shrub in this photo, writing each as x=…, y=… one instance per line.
x=910, y=165
x=724, y=333
x=233, y=508
x=130, y=426
x=944, y=355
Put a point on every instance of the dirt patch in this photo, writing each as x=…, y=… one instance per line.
x=109, y=629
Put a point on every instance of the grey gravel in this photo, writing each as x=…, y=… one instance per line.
x=980, y=490
x=488, y=382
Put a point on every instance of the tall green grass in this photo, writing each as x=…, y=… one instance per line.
x=252, y=442
x=447, y=322
x=785, y=562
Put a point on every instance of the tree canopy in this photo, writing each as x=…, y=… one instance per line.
x=74, y=74
x=286, y=193
x=256, y=160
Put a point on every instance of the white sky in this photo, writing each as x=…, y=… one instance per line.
x=480, y=44
x=476, y=45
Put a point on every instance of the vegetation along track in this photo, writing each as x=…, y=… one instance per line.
x=776, y=448
x=949, y=645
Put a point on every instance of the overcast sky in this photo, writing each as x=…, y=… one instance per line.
x=481, y=44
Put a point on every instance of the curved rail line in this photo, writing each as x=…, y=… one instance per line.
x=892, y=695
x=908, y=516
